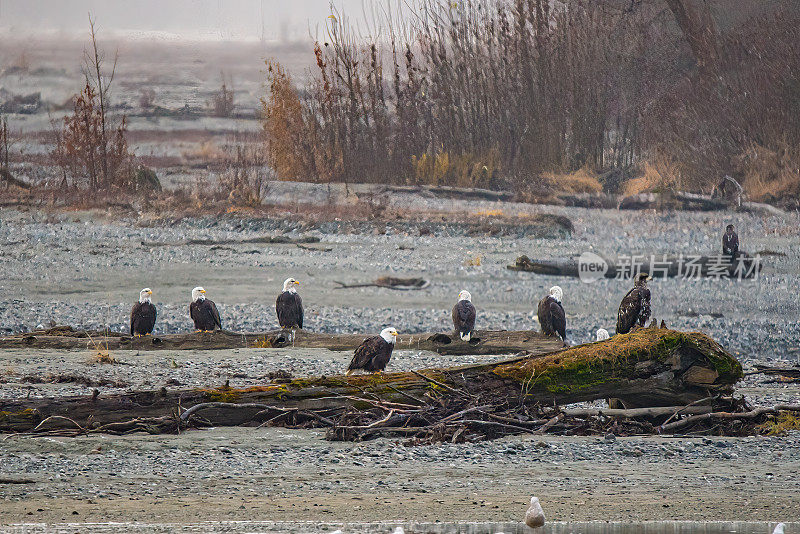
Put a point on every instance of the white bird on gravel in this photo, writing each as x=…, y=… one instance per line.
x=602, y=334
x=778, y=528
x=534, y=517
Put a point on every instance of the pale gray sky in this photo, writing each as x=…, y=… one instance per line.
x=175, y=19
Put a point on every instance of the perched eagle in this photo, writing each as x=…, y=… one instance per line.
x=602, y=334
x=143, y=314
x=551, y=314
x=203, y=311
x=635, y=307
x=730, y=242
x=289, y=306
x=464, y=316
x=374, y=352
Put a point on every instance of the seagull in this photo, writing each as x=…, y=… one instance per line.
x=534, y=517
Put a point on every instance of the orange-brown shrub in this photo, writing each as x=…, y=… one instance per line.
x=290, y=151
x=87, y=157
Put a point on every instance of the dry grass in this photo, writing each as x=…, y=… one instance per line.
x=473, y=261
x=657, y=175
x=101, y=353
x=207, y=152
x=490, y=213
x=584, y=180
x=461, y=170
x=770, y=174
x=262, y=343
x=783, y=423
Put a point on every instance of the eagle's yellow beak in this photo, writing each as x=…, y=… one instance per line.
x=296, y=283
x=202, y=291
x=150, y=292
x=395, y=334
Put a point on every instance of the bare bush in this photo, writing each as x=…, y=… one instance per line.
x=222, y=104
x=245, y=181
x=471, y=91
x=147, y=98
x=91, y=148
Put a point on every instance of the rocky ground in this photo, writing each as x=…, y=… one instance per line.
x=85, y=269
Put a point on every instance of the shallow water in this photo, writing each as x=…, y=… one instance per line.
x=257, y=527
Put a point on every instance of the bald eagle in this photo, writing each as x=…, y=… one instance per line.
x=551, y=314
x=730, y=242
x=635, y=307
x=143, y=314
x=464, y=316
x=374, y=352
x=289, y=306
x=602, y=334
x=203, y=311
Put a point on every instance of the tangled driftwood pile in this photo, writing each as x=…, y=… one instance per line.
x=668, y=381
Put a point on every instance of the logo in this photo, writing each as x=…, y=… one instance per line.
x=591, y=267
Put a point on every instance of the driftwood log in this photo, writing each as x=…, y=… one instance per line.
x=482, y=342
x=646, y=368
x=391, y=282
x=670, y=267
x=263, y=240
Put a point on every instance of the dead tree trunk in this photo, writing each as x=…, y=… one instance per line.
x=649, y=367
x=697, y=24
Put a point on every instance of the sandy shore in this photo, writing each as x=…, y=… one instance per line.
x=258, y=474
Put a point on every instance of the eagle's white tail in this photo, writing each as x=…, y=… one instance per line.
x=465, y=337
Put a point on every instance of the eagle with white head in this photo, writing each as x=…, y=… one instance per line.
x=464, y=316
x=374, y=352
x=551, y=314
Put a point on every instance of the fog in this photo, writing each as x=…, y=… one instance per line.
x=205, y=20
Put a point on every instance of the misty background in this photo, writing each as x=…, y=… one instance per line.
x=194, y=20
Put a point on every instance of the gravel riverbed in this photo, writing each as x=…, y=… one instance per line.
x=85, y=269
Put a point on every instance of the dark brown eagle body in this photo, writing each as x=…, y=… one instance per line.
x=205, y=315
x=730, y=242
x=635, y=307
x=464, y=318
x=372, y=355
x=289, y=307
x=552, y=318
x=143, y=318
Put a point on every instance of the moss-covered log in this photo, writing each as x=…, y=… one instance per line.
x=482, y=342
x=649, y=367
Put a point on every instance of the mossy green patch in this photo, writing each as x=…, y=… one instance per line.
x=27, y=413
x=228, y=394
x=617, y=358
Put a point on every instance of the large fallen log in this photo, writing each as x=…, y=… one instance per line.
x=482, y=342
x=672, y=201
x=649, y=367
x=744, y=266
x=263, y=240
